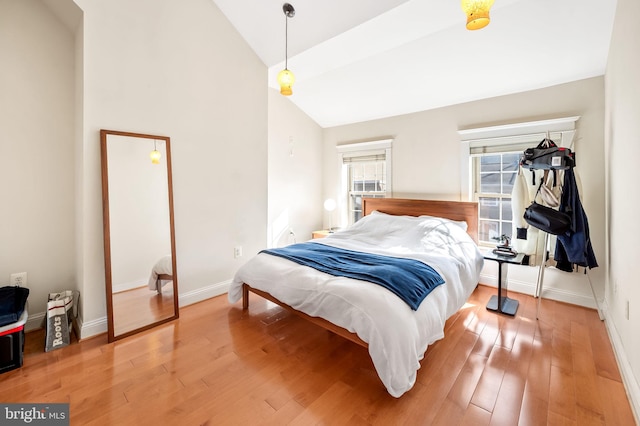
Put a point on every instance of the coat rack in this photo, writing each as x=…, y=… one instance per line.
x=560, y=164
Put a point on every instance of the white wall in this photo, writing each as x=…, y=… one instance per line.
x=37, y=89
x=295, y=173
x=622, y=148
x=426, y=164
x=177, y=69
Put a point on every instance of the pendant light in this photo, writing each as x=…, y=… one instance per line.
x=477, y=13
x=286, y=77
x=155, y=154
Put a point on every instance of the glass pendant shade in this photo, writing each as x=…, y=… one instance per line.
x=286, y=80
x=477, y=13
x=155, y=156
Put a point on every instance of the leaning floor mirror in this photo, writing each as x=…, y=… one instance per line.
x=139, y=240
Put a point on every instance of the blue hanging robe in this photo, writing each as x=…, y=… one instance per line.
x=574, y=246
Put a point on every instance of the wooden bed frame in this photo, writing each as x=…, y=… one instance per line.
x=454, y=210
x=162, y=277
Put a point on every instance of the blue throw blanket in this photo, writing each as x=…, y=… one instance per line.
x=410, y=279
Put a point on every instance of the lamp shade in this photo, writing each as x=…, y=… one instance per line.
x=155, y=156
x=330, y=204
x=477, y=13
x=286, y=80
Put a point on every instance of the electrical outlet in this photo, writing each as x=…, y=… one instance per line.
x=19, y=279
x=237, y=252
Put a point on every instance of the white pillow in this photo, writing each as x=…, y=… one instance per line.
x=461, y=223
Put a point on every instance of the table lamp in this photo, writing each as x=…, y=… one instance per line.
x=330, y=206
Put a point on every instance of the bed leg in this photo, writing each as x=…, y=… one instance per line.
x=245, y=297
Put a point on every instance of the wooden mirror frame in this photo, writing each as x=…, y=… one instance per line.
x=112, y=336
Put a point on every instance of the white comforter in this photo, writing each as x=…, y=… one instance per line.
x=397, y=336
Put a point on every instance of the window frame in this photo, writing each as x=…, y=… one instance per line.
x=362, y=150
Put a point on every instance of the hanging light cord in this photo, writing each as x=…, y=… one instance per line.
x=289, y=12
x=286, y=39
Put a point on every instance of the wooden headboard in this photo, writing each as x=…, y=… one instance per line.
x=454, y=210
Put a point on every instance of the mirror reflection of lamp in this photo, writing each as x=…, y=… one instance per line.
x=330, y=206
x=155, y=154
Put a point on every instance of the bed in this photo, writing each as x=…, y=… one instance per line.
x=361, y=311
x=161, y=273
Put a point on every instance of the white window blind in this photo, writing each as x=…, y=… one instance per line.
x=363, y=158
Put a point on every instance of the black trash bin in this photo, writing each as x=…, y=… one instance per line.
x=13, y=316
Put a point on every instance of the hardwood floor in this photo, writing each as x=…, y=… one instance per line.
x=218, y=365
x=140, y=306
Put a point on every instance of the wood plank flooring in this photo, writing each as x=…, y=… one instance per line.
x=218, y=365
x=140, y=306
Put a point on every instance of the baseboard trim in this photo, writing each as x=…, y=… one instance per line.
x=92, y=328
x=547, y=292
x=628, y=379
x=34, y=321
x=99, y=326
x=204, y=293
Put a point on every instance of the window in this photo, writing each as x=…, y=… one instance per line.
x=493, y=172
x=494, y=175
x=490, y=162
x=366, y=179
x=365, y=174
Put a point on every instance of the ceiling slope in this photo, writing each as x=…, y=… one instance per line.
x=361, y=60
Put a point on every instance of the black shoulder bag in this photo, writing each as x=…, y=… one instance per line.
x=545, y=218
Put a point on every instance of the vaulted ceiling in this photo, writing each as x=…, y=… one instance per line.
x=360, y=60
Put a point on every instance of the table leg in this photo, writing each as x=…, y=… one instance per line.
x=501, y=303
